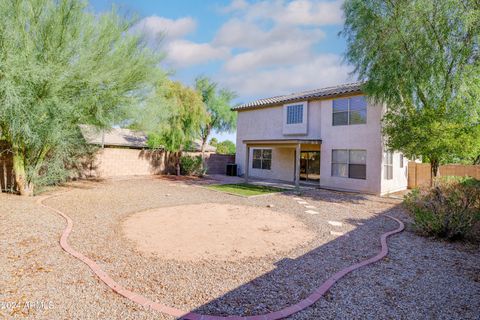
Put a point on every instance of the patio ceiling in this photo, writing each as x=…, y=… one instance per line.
x=282, y=142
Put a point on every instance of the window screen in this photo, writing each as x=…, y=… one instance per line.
x=357, y=166
x=349, y=111
x=262, y=159
x=340, y=163
x=388, y=165
x=349, y=164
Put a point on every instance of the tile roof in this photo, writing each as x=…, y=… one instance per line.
x=354, y=87
x=119, y=137
x=114, y=137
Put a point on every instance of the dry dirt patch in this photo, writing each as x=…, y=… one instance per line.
x=214, y=231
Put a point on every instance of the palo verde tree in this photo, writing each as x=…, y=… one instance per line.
x=421, y=58
x=226, y=147
x=60, y=66
x=173, y=118
x=218, y=103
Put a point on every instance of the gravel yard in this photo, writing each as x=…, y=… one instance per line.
x=420, y=278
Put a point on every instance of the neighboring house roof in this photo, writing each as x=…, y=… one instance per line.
x=342, y=89
x=114, y=137
x=118, y=137
x=197, y=146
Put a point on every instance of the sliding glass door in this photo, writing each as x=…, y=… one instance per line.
x=310, y=166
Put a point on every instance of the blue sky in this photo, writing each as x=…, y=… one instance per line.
x=255, y=48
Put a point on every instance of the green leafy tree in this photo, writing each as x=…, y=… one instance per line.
x=173, y=118
x=218, y=103
x=421, y=58
x=226, y=147
x=61, y=66
x=213, y=142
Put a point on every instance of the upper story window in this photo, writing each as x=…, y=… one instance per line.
x=347, y=111
x=295, y=114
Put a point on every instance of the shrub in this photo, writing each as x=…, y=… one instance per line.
x=451, y=209
x=191, y=165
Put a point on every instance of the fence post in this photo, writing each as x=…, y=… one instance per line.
x=416, y=173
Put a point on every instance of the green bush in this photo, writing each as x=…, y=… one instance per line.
x=191, y=165
x=450, y=209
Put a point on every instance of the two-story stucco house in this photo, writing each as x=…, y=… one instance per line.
x=329, y=137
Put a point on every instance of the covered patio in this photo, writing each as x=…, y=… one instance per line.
x=305, y=160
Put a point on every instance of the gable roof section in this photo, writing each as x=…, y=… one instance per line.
x=354, y=87
x=114, y=137
x=118, y=137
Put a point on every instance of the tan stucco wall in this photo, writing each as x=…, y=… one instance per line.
x=267, y=123
x=400, y=176
x=114, y=162
x=283, y=165
x=361, y=136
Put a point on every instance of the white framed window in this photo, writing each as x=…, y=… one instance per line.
x=295, y=113
x=348, y=111
x=388, y=165
x=262, y=159
x=401, y=160
x=349, y=163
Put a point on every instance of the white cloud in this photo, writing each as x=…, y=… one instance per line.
x=321, y=71
x=266, y=48
x=297, y=12
x=245, y=34
x=311, y=13
x=282, y=53
x=274, y=46
x=183, y=53
x=155, y=27
x=235, y=5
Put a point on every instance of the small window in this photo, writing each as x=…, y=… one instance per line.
x=347, y=111
x=295, y=114
x=401, y=161
x=262, y=159
x=349, y=164
x=388, y=165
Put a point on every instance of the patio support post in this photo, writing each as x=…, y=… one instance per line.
x=247, y=165
x=297, y=167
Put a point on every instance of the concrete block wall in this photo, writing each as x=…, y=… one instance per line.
x=114, y=162
x=217, y=163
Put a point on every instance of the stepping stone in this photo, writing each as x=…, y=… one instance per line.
x=311, y=207
x=335, y=223
x=336, y=233
x=311, y=212
x=302, y=202
x=298, y=199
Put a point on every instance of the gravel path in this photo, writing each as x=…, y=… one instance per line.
x=420, y=279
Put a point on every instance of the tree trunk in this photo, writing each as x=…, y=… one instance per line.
x=434, y=166
x=205, y=135
x=177, y=163
x=25, y=188
x=202, y=150
x=477, y=160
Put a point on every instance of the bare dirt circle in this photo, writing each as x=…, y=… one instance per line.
x=214, y=231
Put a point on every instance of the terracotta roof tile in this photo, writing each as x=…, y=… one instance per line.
x=354, y=87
